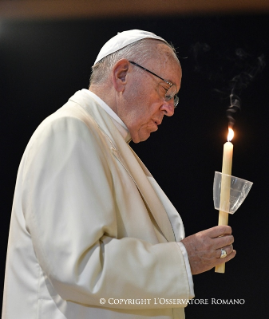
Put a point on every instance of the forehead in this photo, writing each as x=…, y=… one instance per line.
x=164, y=64
x=173, y=73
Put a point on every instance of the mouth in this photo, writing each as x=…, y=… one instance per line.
x=157, y=122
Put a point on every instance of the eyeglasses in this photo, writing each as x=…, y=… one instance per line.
x=171, y=92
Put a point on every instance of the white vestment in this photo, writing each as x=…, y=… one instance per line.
x=90, y=222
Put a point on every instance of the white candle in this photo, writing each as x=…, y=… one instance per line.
x=225, y=186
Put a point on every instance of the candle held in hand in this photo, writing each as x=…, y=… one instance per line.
x=225, y=186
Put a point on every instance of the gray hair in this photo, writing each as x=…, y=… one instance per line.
x=139, y=51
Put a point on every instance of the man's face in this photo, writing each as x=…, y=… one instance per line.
x=144, y=97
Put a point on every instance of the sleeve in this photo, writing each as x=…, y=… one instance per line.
x=188, y=267
x=70, y=213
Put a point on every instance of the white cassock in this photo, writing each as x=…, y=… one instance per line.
x=90, y=222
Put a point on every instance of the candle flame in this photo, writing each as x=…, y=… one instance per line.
x=230, y=134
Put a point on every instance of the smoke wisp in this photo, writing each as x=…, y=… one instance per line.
x=230, y=71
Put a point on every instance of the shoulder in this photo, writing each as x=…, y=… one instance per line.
x=67, y=123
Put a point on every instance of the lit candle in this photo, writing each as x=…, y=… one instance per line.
x=225, y=186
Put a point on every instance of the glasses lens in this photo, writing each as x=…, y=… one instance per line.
x=176, y=100
x=171, y=94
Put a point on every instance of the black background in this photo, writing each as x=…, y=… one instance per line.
x=42, y=63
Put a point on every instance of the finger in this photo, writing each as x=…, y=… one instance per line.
x=229, y=249
x=227, y=258
x=218, y=231
x=221, y=230
x=223, y=241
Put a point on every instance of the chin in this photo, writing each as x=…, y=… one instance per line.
x=141, y=138
x=141, y=135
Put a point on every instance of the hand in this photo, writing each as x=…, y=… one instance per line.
x=204, y=248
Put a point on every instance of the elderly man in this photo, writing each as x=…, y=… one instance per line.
x=92, y=234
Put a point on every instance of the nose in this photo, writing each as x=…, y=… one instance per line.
x=168, y=108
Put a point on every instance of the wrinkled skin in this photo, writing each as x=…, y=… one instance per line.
x=204, y=248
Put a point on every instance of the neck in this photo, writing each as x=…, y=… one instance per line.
x=104, y=93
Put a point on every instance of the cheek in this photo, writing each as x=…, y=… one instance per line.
x=142, y=110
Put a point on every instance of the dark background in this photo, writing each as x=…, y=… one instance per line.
x=42, y=63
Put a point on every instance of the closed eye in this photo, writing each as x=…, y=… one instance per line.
x=165, y=89
x=168, y=97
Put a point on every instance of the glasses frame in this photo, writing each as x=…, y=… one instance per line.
x=176, y=99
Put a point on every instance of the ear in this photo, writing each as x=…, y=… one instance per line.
x=119, y=74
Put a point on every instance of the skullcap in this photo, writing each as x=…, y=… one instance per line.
x=122, y=39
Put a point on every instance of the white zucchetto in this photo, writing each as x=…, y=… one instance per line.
x=122, y=39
